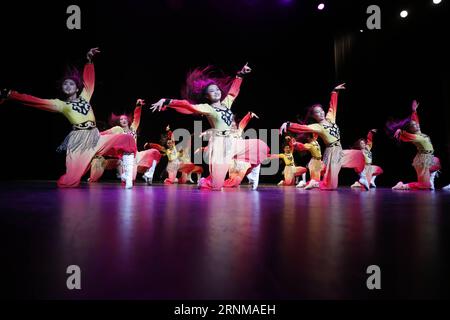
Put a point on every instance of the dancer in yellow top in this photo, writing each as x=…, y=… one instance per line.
x=205, y=98
x=370, y=171
x=291, y=171
x=145, y=161
x=425, y=163
x=315, y=165
x=326, y=128
x=84, y=141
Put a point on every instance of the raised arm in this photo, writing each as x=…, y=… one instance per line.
x=244, y=122
x=332, y=108
x=137, y=114
x=369, y=139
x=414, y=115
x=235, y=86
x=89, y=75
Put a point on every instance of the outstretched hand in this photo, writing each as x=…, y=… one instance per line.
x=340, y=87
x=397, y=134
x=283, y=128
x=253, y=115
x=245, y=70
x=157, y=106
x=415, y=105
x=91, y=53
x=140, y=102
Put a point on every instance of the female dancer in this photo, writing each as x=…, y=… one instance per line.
x=206, y=92
x=425, y=163
x=177, y=161
x=326, y=128
x=146, y=160
x=291, y=171
x=315, y=165
x=370, y=171
x=84, y=141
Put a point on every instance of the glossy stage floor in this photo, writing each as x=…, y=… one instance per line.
x=178, y=242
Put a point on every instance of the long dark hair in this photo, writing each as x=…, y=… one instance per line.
x=309, y=112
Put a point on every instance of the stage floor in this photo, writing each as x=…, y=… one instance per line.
x=177, y=242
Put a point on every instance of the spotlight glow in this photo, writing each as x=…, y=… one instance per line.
x=321, y=6
x=437, y=1
x=404, y=14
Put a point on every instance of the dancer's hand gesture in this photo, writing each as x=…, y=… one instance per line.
x=340, y=87
x=374, y=130
x=283, y=128
x=253, y=115
x=158, y=105
x=397, y=134
x=415, y=105
x=140, y=102
x=245, y=70
x=91, y=53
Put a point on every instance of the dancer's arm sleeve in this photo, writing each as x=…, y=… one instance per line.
x=302, y=147
x=233, y=92
x=136, y=118
x=183, y=106
x=370, y=140
x=407, y=137
x=332, y=108
x=113, y=130
x=301, y=128
x=88, y=81
x=52, y=105
x=244, y=122
x=415, y=117
x=276, y=156
x=157, y=147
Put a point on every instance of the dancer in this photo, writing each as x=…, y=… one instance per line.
x=84, y=141
x=315, y=165
x=175, y=159
x=146, y=160
x=326, y=128
x=239, y=169
x=205, y=92
x=370, y=171
x=291, y=171
x=425, y=163
x=187, y=168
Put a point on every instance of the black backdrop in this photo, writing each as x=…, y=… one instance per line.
x=297, y=53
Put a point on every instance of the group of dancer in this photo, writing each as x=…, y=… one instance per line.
x=228, y=153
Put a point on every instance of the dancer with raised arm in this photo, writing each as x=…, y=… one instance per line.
x=146, y=160
x=203, y=94
x=425, y=163
x=315, y=165
x=291, y=171
x=370, y=171
x=84, y=142
x=326, y=128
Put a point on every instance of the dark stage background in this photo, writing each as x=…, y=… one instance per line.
x=298, y=54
